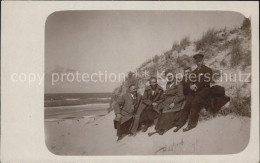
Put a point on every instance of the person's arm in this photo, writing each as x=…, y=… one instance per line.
x=120, y=102
x=186, y=88
x=160, y=97
x=206, y=79
x=193, y=80
x=180, y=96
x=145, y=99
x=211, y=76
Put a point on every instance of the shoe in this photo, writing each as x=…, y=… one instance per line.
x=161, y=132
x=188, y=128
x=132, y=134
x=144, y=128
x=176, y=130
x=119, y=138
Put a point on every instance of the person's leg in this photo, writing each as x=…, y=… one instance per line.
x=127, y=126
x=149, y=117
x=184, y=115
x=184, y=112
x=161, y=132
x=143, y=120
x=143, y=116
x=137, y=119
x=159, y=122
x=152, y=116
x=124, y=129
x=196, y=107
x=135, y=125
x=145, y=126
x=119, y=132
x=188, y=101
x=155, y=121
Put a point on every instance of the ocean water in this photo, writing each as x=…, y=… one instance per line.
x=75, y=105
x=68, y=99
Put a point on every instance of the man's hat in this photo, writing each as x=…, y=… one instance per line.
x=198, y=56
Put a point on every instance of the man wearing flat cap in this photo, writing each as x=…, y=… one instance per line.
x=200, y=79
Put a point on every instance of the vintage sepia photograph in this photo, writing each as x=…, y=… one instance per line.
x=147, y=82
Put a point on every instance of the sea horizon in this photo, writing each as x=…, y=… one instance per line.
x=75, y=105
x=69, y=99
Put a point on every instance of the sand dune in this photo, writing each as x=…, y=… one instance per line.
x=90, y=136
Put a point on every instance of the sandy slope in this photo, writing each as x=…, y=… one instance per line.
x=221, y=135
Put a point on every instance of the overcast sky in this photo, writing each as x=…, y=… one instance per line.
x=119, y=41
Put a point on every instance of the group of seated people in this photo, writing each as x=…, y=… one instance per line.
x=181, y=102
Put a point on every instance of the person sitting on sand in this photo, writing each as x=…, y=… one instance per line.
x=200, y=87
x=173, y=94
x=151, y=98
x=125, y=110
x=172, y=115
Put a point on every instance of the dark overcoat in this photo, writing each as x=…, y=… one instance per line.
x=149, y=97
x=216, y=100
x=174, y=117
x=201, y=77
x=186, y=86
x=148, y=112
x=174, y=94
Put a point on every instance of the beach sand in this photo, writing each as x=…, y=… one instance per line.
x=95, y=135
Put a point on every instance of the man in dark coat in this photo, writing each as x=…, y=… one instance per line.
x=152, y=97
x=125, y=110
x=199, y=80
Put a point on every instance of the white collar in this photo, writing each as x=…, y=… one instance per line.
x=171, y=85
x=134, y=97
